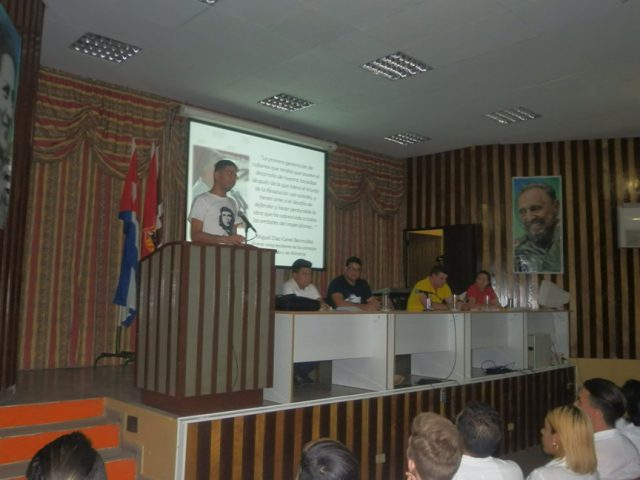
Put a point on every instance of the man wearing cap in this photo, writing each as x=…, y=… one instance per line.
x=300, y=283
x=214, y=216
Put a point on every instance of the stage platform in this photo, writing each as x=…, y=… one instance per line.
x=266, y=442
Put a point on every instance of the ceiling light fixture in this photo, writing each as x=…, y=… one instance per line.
x=208, y=2
x=396, y=66
x=407, y=138
x=104, y=48
x=285, y=102
x=512, y=115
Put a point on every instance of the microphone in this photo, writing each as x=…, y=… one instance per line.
x=246, y=221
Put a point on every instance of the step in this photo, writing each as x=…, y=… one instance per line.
x=50, y=412
x=21, y=443
x=119, y=463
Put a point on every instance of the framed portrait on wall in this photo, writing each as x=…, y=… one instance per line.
x=10, y=44
x=537, y=225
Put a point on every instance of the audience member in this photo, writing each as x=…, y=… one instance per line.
x=327, y=459
x=349, y=291
x=434, y=449
x=434, y=288
x=481, y=427
x=568, y=436
x=481, y=292
x=629, y=425
x=603, y=402
x=69, y=457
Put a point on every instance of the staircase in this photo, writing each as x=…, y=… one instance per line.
x=24, y=429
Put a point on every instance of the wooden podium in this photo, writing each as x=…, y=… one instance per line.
x=206, y=326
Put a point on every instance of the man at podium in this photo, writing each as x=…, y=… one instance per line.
x=214, y=216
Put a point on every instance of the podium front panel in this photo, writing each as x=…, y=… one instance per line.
x=206, y=318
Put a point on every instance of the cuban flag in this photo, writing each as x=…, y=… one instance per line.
x=126, y=293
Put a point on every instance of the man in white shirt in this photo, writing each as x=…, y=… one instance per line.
x=300, y=283
x=604, y=404
x=480, y=427
x=214, y=216
x=630, y=425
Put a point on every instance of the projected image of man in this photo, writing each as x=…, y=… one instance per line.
x=540, y=249
x=214, y=215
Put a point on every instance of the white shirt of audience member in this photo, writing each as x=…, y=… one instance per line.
x=618, y=459
x=557, y=469
x=630, y=431
x=487, y=468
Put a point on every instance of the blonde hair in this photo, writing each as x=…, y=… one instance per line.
x=575, y=433
x=434, y=446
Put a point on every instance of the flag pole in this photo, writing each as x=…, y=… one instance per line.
x=127, y=291
x=127, y=356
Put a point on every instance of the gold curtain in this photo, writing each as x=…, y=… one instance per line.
x=82, y=139
x=365, y=217
x=81, y=150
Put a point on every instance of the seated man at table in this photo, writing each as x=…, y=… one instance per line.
x=349, y=291
x=435, y=288
x=300, y=283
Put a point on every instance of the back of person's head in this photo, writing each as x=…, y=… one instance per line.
x=69, y=457
x=437, y=270
x=575, y=435
x=435, y=448
x=351, y=260
x=480, y=427
x=327, y=459
x=607, y=397
x=300, y=263
x=631, y=392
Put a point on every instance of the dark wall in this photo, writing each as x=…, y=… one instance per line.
x=27, y=16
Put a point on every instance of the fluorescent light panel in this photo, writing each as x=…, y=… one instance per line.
x=104, y=48
x=407, y=138
x=512, y=115
x=208, y=2
x=285, y=102
x=396, y=66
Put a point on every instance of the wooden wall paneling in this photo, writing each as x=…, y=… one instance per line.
x=598, y=175
x=269, y=445
x=27, y=16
